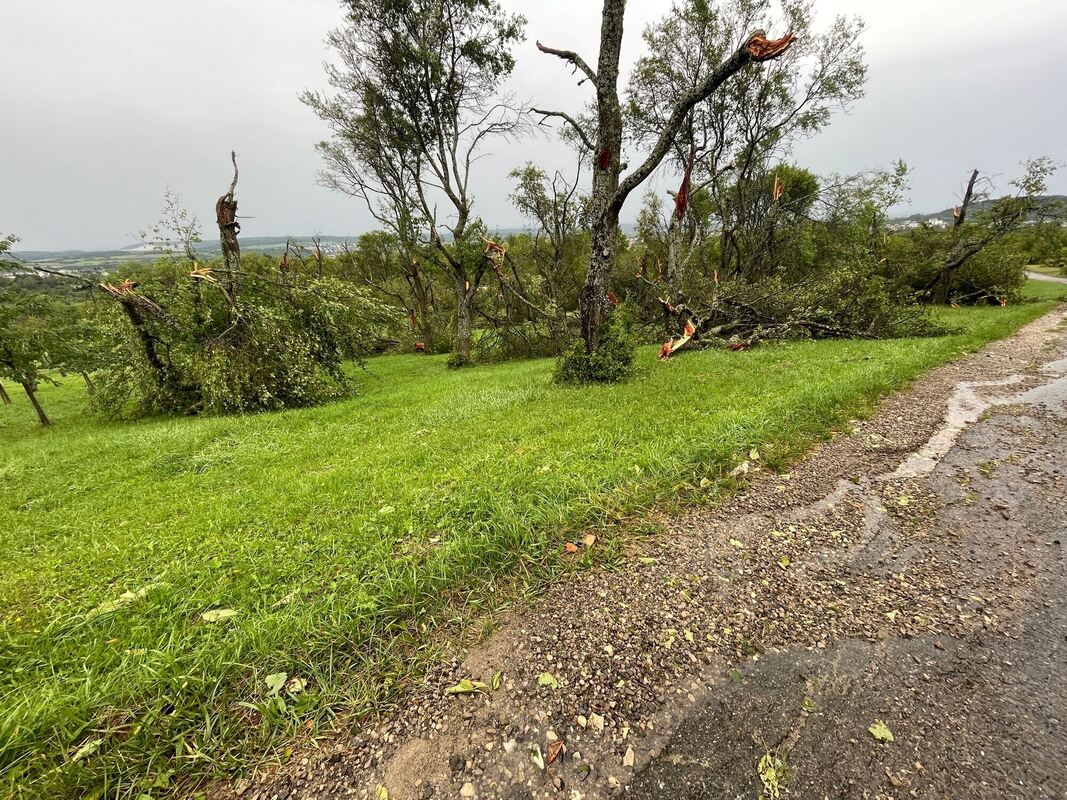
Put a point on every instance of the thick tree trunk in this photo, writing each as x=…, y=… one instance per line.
x=593, y=299
x=31, y=392
x=4, y=396
x=943, y=286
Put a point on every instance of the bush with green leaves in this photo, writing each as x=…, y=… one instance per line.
x=199, y=340
x=613, y=361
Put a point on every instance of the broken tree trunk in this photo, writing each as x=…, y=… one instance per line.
x=942, y=285
x=229, y=227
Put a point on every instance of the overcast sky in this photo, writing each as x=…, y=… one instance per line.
x=106, y=103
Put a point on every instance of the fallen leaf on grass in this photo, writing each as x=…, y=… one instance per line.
x=275, y=681
x=295, y=685
x=880, y=731
x=218, y=615
x=87, y=749
x=122, y=600
x=740, y=469
x=547, y=679
x=571, y=547
x=589, y=539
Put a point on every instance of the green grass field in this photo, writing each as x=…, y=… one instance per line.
x=345, y=536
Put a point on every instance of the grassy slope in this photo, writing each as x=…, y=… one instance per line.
x=336, y=532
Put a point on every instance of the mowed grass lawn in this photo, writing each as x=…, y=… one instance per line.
x=344, y=536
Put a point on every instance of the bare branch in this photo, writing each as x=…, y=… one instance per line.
x=574, y=58
x=573, y=122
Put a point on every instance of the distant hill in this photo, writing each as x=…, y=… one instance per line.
x=106, y=259
x=945, y=215
x=103, y=259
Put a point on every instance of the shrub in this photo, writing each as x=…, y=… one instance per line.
x=613, y=360
x=182, y=343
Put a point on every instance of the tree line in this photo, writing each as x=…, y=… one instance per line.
x=750, y=247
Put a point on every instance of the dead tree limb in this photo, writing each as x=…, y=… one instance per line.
x=229, y=227
x=575, y=59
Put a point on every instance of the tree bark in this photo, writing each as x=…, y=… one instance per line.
x=4, y=396
x=31, y=392
x=90, y=387
x=148, y=342
x=229, y=227
x=463, y=319
x=593, y=298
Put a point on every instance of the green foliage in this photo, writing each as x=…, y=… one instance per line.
x=280, y=344
x=611, y=362
x=37, y=334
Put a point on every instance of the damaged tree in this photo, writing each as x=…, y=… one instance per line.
x=728, y=142
x=610, y=188
x=229, y=227
x=973, y=229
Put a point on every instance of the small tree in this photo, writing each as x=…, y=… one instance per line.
x=31, y=338
x=558, y=211
x=417, y=97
